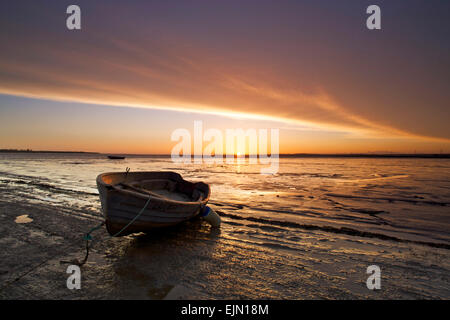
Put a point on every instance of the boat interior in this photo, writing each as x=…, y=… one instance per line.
x=164, y=185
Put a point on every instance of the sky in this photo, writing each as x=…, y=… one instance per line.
x=138, y=70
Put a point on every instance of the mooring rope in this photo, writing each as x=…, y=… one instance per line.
x=8, y=283
x=88, y=236
x=134, y=219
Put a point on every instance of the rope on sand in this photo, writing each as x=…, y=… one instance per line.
x=8, y=283
x=88, y=236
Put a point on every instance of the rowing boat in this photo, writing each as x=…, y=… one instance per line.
x=153, y=199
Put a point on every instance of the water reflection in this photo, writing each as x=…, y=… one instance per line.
x=151, y=265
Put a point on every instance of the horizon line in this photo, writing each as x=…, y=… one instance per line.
x=297, y=154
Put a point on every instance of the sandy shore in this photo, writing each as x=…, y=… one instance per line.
x=193, y=261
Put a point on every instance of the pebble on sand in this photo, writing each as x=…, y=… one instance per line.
x=23, y=219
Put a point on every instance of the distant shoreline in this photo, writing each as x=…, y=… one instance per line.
x=287, y=155
x=42, y=151
x=368, y=155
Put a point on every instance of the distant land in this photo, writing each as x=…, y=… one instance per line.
x=367, y=155
x=41, y=151
x=283, y=155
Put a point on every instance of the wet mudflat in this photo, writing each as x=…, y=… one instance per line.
x=193, y=261
x=309, y=232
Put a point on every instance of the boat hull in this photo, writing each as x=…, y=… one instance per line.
x=122, y=206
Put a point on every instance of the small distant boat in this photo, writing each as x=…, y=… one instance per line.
x=169, y=198
x=116, y=157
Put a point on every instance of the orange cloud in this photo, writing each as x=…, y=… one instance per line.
x=144, y=69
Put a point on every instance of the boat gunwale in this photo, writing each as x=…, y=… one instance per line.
x=135, y=194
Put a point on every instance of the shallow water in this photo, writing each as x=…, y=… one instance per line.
x=406, y=199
